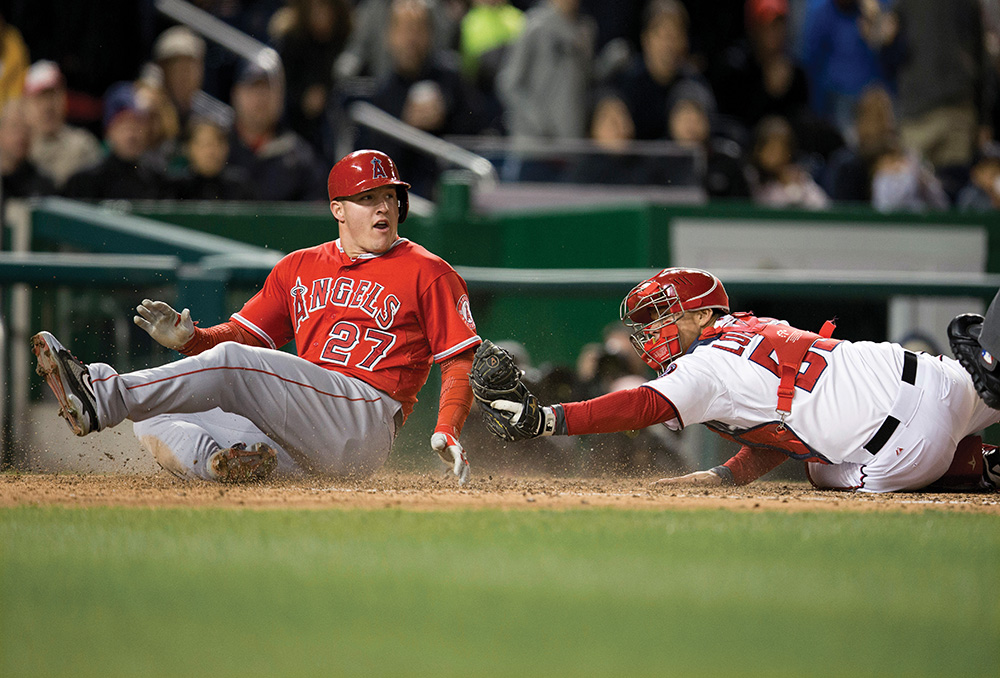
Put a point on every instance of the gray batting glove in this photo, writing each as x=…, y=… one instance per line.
x=453, y=454
x=168, y=327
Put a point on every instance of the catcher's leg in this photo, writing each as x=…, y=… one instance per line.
x=213, y=445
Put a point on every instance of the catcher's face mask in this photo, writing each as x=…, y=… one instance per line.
x=651, y=311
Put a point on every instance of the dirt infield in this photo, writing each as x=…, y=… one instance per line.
x=423, y=492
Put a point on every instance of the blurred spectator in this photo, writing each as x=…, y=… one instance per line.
x=180, y=54
x=280, y=163
x=620, y=161
x=618, y=340
x=848, y=174
x=757, y=76
x=57, y=149
x=945, y=86
x=781, y=181
x=207, y=177
x=611, y=125
x=165, y=150
x=310, y=37
x=725, y=169
x=122, y=173
x=486, y=32
x=982, y=192
x=486, y=29
x=425, y=89
x=14, y=60
x=19, y=177
x=661, y=74
x=546, y=75
x=714, y=27
x=616, y=21
x=902, y=182
x=839, y=62
x=367, y=50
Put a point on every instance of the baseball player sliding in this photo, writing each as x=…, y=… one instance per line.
x=865, y=416
x=369, y=313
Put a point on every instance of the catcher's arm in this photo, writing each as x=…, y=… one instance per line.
x=744, y=467
x=510, y=411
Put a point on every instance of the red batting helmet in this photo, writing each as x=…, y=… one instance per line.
x=653, y=306
x=364, y=170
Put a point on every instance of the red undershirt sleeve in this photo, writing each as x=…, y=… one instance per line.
x=208, y=337
x=751, y=463
x=626, y=410
x=456, y=393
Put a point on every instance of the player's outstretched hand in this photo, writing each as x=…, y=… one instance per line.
x=168, y=327
x=453, y=454
x=698, y=478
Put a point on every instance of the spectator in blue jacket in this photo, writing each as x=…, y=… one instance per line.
x=839, y=61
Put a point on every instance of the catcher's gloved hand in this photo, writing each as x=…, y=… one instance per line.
x=963, y=336
x=453, y=454
x=523, y=420
x=509, y=410
x=168, y=327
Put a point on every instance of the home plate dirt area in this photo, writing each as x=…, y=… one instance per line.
x=434, y=492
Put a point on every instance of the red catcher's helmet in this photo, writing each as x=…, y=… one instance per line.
x=653, y=306
x=364, y=170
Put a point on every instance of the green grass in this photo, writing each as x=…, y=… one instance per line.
x=169, y=592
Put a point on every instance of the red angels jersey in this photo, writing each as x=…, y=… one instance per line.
x=843, y=392
x=383, y=319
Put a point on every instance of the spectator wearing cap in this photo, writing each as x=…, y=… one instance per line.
x=19, y=178
x=122, y=173
x=58, y=150
x=280, y=163
x=661, y=74
x=180, y=54
x=207, y=175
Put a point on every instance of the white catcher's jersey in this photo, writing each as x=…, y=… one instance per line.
x=843, y=392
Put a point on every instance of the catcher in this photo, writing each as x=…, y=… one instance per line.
x=863, y=416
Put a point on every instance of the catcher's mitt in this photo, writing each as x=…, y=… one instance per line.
x=494, y=376
x=963, y=335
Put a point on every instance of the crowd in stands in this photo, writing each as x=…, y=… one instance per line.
x=791, y=103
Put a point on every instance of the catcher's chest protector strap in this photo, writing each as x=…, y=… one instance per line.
x=790, y=346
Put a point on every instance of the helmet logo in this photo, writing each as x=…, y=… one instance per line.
x=378, y=172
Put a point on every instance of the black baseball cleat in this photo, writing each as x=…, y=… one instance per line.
x=963, y=337
x=70, y=382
